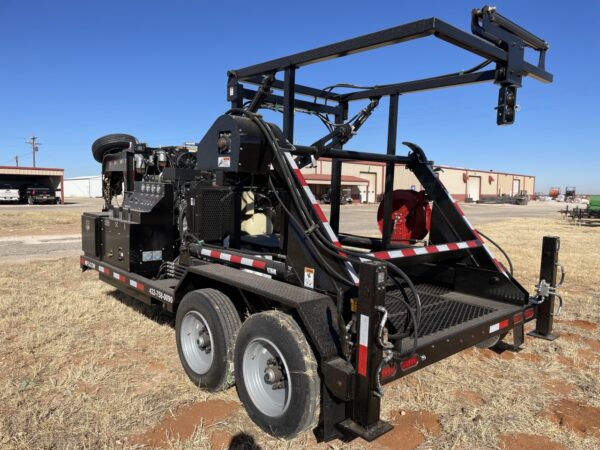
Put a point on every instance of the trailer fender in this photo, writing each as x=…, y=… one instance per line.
x=316, y=312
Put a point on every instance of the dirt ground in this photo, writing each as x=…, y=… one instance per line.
x=84, y=366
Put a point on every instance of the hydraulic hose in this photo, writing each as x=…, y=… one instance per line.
x=324, y=243
x=320, y=240
x=510, y=265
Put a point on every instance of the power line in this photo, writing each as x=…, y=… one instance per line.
x=20, y=158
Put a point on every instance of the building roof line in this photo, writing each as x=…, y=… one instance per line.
x=30, y=168
x=374, y=163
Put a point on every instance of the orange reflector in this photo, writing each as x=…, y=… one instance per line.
x=389, y=371
x=517, y=318
x=409, y=363
x=529, y=313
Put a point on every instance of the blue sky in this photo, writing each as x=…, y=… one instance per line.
x=74, y=70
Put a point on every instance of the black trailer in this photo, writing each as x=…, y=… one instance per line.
x=307, y=322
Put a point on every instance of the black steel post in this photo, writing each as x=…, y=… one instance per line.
x=336, y=180
x=389, y=172
x=545, y=312
x=289, y=83
x=366, y=421
x=234, y=92
x=334, y=197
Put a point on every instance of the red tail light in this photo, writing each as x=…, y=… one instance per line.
x=529, y=313
x=409, y=363
x=518, y=318
x=389, y=371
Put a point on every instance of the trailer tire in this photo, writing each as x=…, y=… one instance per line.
x=491, y=342
x=111, y=143
x=271, y=350
x=207, y=320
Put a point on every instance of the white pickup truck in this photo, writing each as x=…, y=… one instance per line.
x=8, y=193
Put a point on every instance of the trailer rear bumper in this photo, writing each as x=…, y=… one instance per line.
x=440, y=345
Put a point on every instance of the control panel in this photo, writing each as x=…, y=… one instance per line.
x=146, y=196
x=141, y=233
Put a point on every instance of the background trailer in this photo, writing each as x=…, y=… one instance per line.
x=19, y=176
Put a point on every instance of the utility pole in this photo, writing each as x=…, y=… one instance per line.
x=17, y=160
x=34, y=147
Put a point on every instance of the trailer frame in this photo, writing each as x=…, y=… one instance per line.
x=484, y=302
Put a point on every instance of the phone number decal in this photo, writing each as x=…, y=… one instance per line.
x=160, y=295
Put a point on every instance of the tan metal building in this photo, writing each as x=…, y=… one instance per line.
x=20, y=176
x=365, y=180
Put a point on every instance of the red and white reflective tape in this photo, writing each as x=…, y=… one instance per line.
x=136, y=284
x=363, y=345
x=461, y=212
x=235, y=259
x=429, y=249
x=86, y=263
x=118, y=276
x=499, y=326
x=319, y=212
x=128, y=281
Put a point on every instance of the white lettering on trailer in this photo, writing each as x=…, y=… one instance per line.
x=160, y=295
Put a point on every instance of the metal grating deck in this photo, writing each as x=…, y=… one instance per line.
x=438, y=312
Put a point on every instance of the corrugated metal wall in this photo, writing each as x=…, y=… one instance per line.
x=89, y=187
x=454, y=178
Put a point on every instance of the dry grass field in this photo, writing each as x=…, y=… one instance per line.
x=39, y=222
x=82, y=366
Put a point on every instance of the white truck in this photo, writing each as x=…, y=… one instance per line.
x=8, y=193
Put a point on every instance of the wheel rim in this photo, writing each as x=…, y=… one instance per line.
x=196, y=342
x=266, y=377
